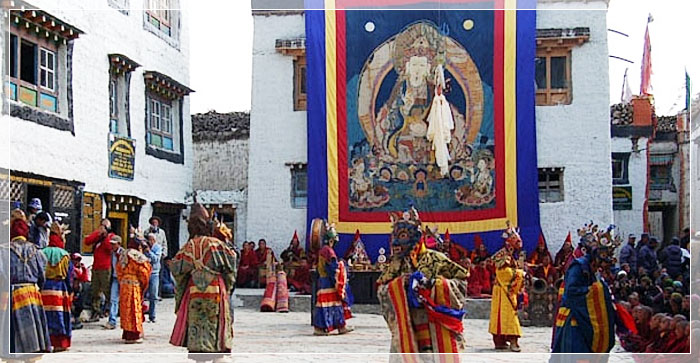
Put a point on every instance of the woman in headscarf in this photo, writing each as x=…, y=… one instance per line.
x=133, y=273
x=56, y=292
x=204, y=271
x=29, y=332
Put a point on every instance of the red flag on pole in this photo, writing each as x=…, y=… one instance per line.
x=645, y=87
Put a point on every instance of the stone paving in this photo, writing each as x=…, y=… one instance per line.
x=283, y=336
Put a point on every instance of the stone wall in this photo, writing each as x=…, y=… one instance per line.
x=220, y=165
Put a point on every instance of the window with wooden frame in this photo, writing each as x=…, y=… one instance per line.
x=300, y=83
x=120, y=68
x=33, y=64
x=158, y=12
x=553, y=64
x=299, y=186
x=551, y=184
x=160, y=122
x=553, y=76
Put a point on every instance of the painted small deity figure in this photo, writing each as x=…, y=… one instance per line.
x=420, y=186
x=482, y=179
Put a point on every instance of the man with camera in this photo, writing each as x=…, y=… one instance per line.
x=101, y=266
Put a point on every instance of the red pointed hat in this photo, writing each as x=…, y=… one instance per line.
x=295, y=237
x=357, y=235
x=568, y=237
x=477, y=241
x=447, y=235
x=541, y=241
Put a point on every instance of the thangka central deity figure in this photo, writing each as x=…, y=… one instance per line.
x=421, y=292
x=396, y=88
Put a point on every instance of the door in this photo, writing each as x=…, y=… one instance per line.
x=171, y=226
x=656, y=224
x=120, y=225
x=92, y=215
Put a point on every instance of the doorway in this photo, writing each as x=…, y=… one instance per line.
x=120, y=224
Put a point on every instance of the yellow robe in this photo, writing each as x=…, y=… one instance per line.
x=504, y=301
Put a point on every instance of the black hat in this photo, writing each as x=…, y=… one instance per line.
x=160, y=221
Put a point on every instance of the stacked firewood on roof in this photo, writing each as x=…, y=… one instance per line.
x=621, y=114
x=215, y=126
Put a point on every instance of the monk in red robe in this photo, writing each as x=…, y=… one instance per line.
x=484, y=273
x=248, y=268
x=537, y=256
x=480, y=250
x=546, y=271
x=474, y=280
x=297, y=266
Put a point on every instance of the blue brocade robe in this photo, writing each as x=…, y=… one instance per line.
x=585, y=322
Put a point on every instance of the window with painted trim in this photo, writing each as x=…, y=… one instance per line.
x=159, y=14
x=33, y=65
x=551, y=184
x=299, y=186
x=300, y=83
x=160, y=122
x=553, y=76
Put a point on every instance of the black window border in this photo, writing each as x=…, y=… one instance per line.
x=625, y=158
x=173, y=157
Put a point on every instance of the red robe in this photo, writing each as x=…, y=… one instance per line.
x=485, y=279
x=248, y=268
x=544, y=272
x=474, y=283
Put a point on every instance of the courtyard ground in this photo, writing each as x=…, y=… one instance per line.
x=283, y=337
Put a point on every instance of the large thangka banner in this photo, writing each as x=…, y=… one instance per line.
x=370, y=85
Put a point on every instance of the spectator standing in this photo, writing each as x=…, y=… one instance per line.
x=673, y=258
x=39, y=230
x=154, y=228
x=153, y=251
x=162, y=240
x=117, y=250
x=647, y=257
x=628, y=254
x=101, y=266
x=80, y=277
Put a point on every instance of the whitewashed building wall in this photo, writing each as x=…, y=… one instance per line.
x=632, y=221
x=84, y=156
x=277, y=136
x=577, y=136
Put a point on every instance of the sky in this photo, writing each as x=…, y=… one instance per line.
x=221, y=51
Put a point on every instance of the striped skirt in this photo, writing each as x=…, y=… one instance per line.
x=29, y=332
x=57, y=304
